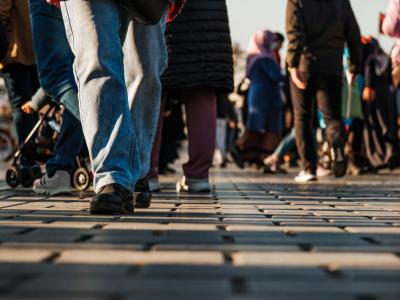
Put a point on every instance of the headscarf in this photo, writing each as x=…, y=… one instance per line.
x=260, y=47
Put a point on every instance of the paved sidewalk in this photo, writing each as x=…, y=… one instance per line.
x=254, y=237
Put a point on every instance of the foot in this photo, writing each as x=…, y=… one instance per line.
x=112, y=199
x=59, y=183
x=339, y=162
x=154, y=185
x=273, y=169
x=305, y=176
x=323, y=172
x=142, y=195
x=187, y=185
x=236, y=158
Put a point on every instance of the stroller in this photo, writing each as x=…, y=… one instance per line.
x=39, y=146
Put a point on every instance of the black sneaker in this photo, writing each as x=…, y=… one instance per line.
x=142, y=196
x=235, y=154
x=111, y=200
x=339, y=162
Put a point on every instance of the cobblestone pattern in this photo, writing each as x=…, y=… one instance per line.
x=254, y=237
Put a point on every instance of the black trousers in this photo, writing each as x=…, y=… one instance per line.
x=323, y=91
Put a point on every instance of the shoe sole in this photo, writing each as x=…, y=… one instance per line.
x=107, y=208
x=141, y=204
x=305, y=181
x=53, y=192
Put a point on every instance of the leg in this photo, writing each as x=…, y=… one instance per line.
x=201, y=118
x=93, y=32
x=221, y=138
x=303, y=114
x=155, y=151
x=69, y=144
x=286, y=145
x=145, y=58
x=329, y=99
x=53, y=53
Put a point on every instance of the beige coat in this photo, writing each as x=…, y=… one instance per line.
x=14, y=14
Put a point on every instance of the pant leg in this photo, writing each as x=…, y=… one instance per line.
x=288, y=142
x=93, y=31
x=201, y=119
x=53, y=54
x=155, y=151
x=221, y=137
x=145, y=59
x=329, y=100
x=24, y=83
x=303, y=115
x=69, y=143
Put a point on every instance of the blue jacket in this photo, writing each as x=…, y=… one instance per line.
x=264, y=99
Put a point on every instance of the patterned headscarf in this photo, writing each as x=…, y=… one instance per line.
x=260, y=47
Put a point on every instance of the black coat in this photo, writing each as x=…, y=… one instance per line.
x=200, y=48
x=317, y=32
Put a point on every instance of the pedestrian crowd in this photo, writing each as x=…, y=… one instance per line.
x=104, y=92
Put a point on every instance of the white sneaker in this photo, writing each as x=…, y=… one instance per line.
x=305, y=176
x=187, y=185
x=59, y=183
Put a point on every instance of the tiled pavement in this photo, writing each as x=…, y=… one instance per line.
x=254, y=237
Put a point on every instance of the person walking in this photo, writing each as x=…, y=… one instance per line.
x=200, y=67
x=315, y=63
x=264, y=103
x=19, y=65
x=54, y=60
x=118, y=64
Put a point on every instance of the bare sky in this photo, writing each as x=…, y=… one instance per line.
x=248, y=16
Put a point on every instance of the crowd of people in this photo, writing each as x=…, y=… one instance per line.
x=129, y=83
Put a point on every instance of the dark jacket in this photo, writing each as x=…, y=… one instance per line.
x=317, y=32
x=200, y=48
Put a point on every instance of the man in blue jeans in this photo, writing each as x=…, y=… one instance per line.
x=118, y=64
x=54, y=62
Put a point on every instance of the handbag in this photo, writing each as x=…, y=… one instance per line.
x=148, y=12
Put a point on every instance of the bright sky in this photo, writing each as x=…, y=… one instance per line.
x=248, y=16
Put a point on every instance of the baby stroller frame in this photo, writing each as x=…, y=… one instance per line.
x=18, y=174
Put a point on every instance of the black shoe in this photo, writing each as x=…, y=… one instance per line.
x=236, y=158
x=339, y=162
x=112, y=199
x=142, y=195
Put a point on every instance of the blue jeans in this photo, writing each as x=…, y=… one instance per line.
x=53, y=54
x=69, y=143
x=54, y=62
x=287, y=144
x=118, y=64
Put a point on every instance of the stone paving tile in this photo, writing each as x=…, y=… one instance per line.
x=23, y=255
x=139, y=257
x=351, y=259
x=253, y=237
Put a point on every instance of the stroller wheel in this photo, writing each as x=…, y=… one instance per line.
x=12, y=178
x=81, y=179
